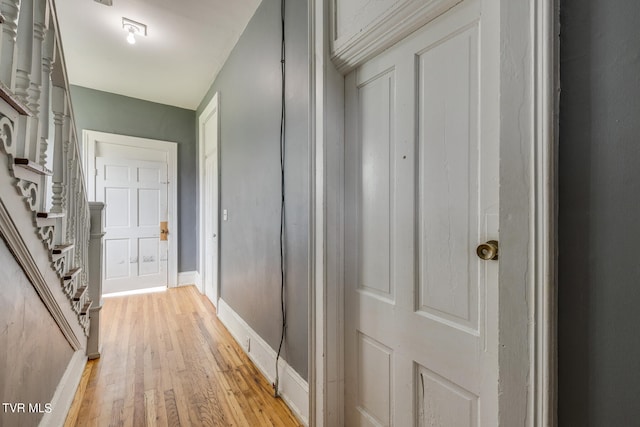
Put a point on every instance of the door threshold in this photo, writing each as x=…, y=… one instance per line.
x=135, y=292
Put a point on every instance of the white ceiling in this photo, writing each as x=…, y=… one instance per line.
x=186, y=46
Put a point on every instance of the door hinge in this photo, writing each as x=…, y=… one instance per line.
x=97, y=172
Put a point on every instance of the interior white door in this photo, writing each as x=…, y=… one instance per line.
x=135, y=197
x=420, y=194
x=211, y=225
x=210, y=141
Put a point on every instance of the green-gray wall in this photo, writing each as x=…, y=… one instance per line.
x=33, y=352
x=599, y=224
x=108, y=112
x=249, y=91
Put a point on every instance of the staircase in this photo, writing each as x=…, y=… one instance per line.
x=45, y=217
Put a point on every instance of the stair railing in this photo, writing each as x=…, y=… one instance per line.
x=38, y=138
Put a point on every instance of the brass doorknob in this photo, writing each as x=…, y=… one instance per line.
x=488, y=251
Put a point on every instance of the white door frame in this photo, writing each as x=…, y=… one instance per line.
x=212, y=107
x=170, y=149
x=528, y=94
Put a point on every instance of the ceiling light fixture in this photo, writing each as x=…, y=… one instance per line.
x=131, y=37
x=133, y=28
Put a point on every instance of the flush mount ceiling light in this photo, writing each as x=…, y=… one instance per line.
x=134, y=29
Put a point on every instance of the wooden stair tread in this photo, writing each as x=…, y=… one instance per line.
x=81, y=290
x=72, y=273
x=85, y=308
x=60, y=249
x=32, y=166
x=50, y=214
x=11, y=99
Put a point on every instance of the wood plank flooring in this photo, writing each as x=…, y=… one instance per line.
x=168, y=361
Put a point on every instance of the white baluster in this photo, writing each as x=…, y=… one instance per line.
x=35, y=74
x=8, y=52
x=25, y=45
x=67, y=192
x=31, y=77
x=57, y=107
x=87, y=227
x=45, y=116
x=59, y=164
x=27, y=126
x=77, y=232
x=71, y=186
x=46, y=65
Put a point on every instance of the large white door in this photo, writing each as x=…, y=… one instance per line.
x=209, y=127
x=135, y=197
x=421, y=195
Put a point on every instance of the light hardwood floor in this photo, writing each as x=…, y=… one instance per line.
x=168, y=361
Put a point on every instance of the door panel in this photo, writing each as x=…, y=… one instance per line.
x=376, y=192
x=444, y=402
x=148, y=256
x=419, y=198
x=117, y=207
x=374, y=381
x=448, y=179
x=116, y=173
x=148, y=207
x=135, y=197
x=116, y=258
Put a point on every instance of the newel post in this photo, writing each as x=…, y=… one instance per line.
x=94, y=345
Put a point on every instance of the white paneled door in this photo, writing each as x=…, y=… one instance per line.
x=135, y=197
x=208, y=126
x=211, y=229
x=421, y=195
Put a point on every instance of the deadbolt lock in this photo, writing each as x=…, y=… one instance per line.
x=488, y=251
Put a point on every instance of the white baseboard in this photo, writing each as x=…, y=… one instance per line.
x=189, y=278
x=65, y=392
x=294, y=390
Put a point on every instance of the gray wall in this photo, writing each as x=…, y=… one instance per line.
x=599, y=229
x=108, y=112
x=33, y=352
x=249, y=91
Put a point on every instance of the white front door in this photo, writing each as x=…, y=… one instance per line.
x=421, y=189
x=135, y=197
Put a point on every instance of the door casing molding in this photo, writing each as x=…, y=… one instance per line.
x=528, y=134
x=212, y=107
x=170, y=149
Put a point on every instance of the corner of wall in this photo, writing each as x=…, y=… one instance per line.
x=186, y=278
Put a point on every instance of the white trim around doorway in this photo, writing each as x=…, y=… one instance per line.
x=547, y=98
x=170, y=149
